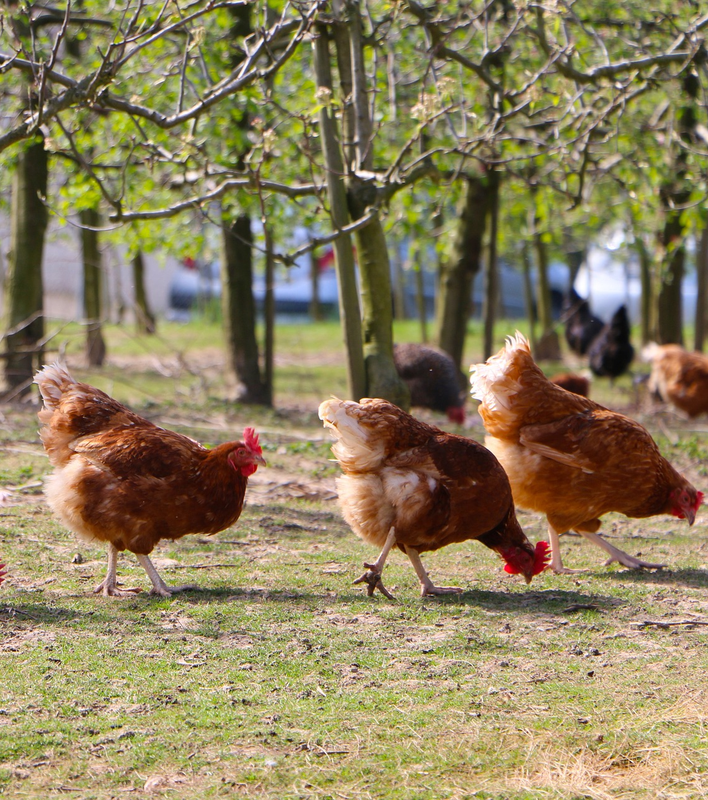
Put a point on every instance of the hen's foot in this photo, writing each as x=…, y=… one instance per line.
x=633, y=563
x=372, y=579
x=108, y=589
x=431, y=590
x=168, y=591
x=561, y=570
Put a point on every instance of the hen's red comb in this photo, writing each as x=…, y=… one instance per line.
x=699, y=499
x=250, y=438
x=541, y=558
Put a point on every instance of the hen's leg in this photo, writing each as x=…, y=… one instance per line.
x=109, y=586
x=556, y=560
x=372, y=576
x=159, y=587
x=619, y=555
x=427, y=587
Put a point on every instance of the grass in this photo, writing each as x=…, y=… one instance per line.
x=279, y=679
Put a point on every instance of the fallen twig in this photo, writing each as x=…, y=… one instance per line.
x=660, y=624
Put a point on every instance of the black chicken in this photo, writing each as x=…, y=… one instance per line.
x=581, y=327
x=611, y=352
x=432, y=377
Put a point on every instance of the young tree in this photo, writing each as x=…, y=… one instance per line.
x=93, y=280
x=459, y=269
x=23, y=295
x=144, y=318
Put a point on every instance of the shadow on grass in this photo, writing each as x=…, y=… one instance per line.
x=696, y=578
x=47, y=614
x=553, y=601
x=235, y=593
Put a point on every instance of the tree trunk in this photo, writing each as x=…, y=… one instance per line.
x=269, y=314
x=491, y=289
x=372, y=254
x=420, y=295
x=674, y=197
x=701, y=291
x=457, y=274
x=24, y=310
x=548, y=347
x=399, y=281
x=237, y=302
x=91, y=256
x=528, y=295
x=647, y=289
x=239, y=311
x=344, y=258
x=376, y=300
x=669, y=305
x=144, y=318
x=315, y=305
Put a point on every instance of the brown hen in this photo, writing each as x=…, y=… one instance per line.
x=122, y=480
x=679, y=377
x=412, y=485
x=569, y=457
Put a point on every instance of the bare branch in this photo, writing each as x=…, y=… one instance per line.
x=318, y=241
x=92, y=90
x=248, y=181
x=441, y=50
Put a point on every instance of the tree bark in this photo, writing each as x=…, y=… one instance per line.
x=669, y=303
x=701, y=291
x=457, y=274
x=372, y=253
x=647, y=289
x=420, y=295
x=144, y=318
x=315, y=305
x=268, y=314
x=528, y=294
x=674, y=197
x=237, y=302
x=491, y=287
x=399, y=286
x=239, y=311
x=548, y=347
x=24, y=310
x=348, y=295
x=376, y=301
x=91, y=256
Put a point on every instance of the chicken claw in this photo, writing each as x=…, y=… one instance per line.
x=619, y=555
x=633, y=563
x=431, y=590
x=372, y=577
x=566, y=570
x=110, y=589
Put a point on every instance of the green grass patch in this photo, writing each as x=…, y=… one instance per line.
x=280, y=679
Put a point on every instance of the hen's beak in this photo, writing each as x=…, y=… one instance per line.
x=690, y=513
x=259, y=460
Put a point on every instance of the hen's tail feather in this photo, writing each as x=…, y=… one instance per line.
x=53, y=380
x=492, y=382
